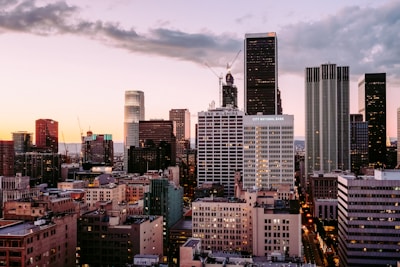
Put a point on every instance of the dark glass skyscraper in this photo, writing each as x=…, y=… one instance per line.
x=372, y=104
x=358, y=143
x=261, y=93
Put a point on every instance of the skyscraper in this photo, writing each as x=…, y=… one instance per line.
x=47, y=135
x=398, y=137
x=268, y=151
x=220, y=147
x=7, y=158
x=157, y=147
x=261, y=92
x=181, y=117
x=133, y=113
x=327, y=118
x=358, y=142
x=372, y=104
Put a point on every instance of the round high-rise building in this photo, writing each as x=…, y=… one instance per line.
x=133, y=113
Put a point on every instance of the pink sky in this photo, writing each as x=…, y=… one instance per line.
x=72, y=61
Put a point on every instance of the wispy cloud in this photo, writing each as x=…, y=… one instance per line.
x=366, y=39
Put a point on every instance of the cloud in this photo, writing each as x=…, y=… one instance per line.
x=366, y=39
x=61, y=18
x=28, y=17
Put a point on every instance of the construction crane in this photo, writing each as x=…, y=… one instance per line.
x=229, y=66
x=66, y=149
x=80, y=154
x=220, y=77
x=80, y=128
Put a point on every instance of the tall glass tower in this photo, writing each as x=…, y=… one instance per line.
x=372, y=104
x=327, y=118
x=261, y=92
x=133, y=113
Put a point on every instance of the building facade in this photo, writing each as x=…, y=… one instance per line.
x=39, y=233
x=159, y=134
x=222, y=225
x=46, y=135
x=372, y=104
x=229, y=92
x=7, y=158
x=369, y=217
x=41, y=167
x=164, y=198
x=261, y=92
x=133, y=113
x=181, y=117
x=358, y=143
x=110, y=238
x=268, y=151
x=327, y=118
x=108, y=192
x=22, y=141
x=398, y=137
x=324, y=191
x=15, y=188
x=277, y=231
x=220, y=147
x=97, y=150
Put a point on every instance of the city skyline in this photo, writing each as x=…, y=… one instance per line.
x=72, y=61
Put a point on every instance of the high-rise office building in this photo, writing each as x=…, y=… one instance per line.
x=268, y=151
x=372, y=104
x=229, y=92
x=22, y=141
x=358, y=143
x=181, y=117
x=368, y=219
x=398, y=137
x=327, y=118
x=261, y=92
x=47, y=135
x=42, y=167
x=160, y=134
x=133, y=113
x=164, y=198
x=220, y=147
x=7, y=158
x=97, y=150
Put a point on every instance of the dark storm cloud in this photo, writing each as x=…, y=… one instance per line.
x=366, y=39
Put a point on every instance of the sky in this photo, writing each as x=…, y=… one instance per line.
x=72, y=61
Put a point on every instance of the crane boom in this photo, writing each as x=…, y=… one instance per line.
x=220, y=77
x=228, y=66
